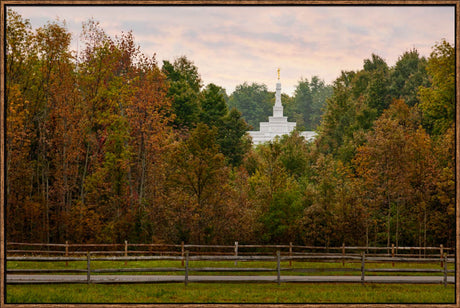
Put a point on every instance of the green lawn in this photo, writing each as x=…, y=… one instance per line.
x=231, y=293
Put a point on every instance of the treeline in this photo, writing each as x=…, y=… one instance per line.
x=107, y=146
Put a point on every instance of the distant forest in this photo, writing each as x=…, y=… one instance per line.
x=108, y=145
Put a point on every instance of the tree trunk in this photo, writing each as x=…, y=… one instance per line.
x=82, y=189
x=388, y=221
x=397, y=224
x=424, y=228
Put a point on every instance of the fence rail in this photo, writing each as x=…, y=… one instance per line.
x=68, y=249
x=186, y=269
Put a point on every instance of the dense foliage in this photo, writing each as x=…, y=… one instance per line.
x=106, y=146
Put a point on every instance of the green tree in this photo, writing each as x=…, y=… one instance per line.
x=232, y=138
x=377, y=92
x=346, y=117
x=301, y=107
x=437, y=101
x=283, y=165
x=275, y=193
x=408, y=74
x=281, y=221
x=185, y=84
x=231, y=127
x=358, y=99
x=253, y=101
x=294, y=154
x=213, y=106
x=307, y=103
x=320, y=93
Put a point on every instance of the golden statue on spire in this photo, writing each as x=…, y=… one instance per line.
x=278, y=73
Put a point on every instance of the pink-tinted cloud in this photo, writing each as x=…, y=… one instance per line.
x=234, y=44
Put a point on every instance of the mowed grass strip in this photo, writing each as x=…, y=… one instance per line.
x=231, y=293
x=326, y=266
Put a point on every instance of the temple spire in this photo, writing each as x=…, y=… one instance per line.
x=278, y=108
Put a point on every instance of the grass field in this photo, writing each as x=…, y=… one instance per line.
x=231, y=293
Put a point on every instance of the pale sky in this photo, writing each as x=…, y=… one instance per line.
x=234, y=44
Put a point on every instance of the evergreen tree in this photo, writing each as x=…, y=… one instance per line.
x=184, y=89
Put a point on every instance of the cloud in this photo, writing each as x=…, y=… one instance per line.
x=233, y=44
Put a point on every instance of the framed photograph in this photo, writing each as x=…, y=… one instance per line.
x=229, y=153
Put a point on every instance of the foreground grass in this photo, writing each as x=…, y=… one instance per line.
x=231, y=293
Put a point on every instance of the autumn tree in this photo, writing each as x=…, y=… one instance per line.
x=149, y=116
x=381, y=161
x=399, y=169
x=40, y=79
x=23, y=211
x=63, y=126
x=441, y=209
x=200, y=179
x=106, y=146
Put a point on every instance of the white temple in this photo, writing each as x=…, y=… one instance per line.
x=278, y=124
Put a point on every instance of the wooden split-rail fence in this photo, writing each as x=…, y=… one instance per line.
x=186, y=271
x=125, y=249
x=263, y=253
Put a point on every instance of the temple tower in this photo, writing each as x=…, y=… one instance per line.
x=278, y=108
x=277, y=124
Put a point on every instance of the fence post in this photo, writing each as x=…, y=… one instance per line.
x=343, y=254
x=363, y=255
x=278, y=266
x=186, y=268
x=236, y=252
x=66, y=252
x=182, y=252
x=290, y=254
x=393, y=254
x=445, y=270
x=441, y=253
x=126, y=251
x=88, y=268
